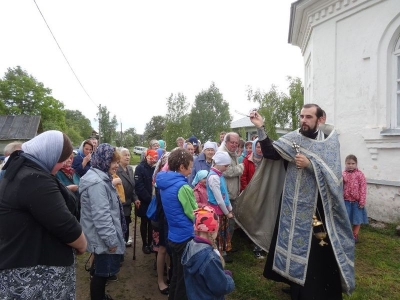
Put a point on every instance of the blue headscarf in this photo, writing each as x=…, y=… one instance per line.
x=199, y=176
x=101, y=158
x=162, y=144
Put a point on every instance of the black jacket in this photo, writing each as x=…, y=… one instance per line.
x=35, y=222
x=144, y=186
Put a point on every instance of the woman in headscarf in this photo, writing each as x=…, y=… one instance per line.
x=204, y=160
x=38, y=232
x=102, y=218
x=70, y=179
x=81, y=162
x=251, y=162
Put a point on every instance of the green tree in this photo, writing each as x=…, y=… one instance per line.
x=74, y=136
x=22, y=94
x=210, y=114
x=278, y=109
x=78, y=126
x=107, y=124
x=177, y=121
x=293, y=104
x=154, y=129
x=131, y=138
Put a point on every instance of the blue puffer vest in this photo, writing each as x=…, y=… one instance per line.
x=180, y=226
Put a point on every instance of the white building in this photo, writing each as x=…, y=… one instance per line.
x=351, y=51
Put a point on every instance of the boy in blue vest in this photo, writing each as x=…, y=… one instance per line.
x=178, y=201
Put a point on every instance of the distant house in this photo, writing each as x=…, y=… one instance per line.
x=18, y=128
x=249, y=128
x=351, y=52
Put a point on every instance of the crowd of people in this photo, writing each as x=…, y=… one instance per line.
x=198, y=195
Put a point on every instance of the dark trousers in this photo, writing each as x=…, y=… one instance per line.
x=177, y=289
x=146, y=231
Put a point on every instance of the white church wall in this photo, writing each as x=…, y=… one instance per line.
x=345, y=68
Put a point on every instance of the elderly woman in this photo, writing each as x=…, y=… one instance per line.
x=125, y=173
x=81, y=163
x=38, y=233
x=102, y=218
x=203, y=161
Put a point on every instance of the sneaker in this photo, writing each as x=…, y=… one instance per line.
x=129, y=242
x=258, y=255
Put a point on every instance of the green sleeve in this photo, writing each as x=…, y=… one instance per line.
x=187, y=200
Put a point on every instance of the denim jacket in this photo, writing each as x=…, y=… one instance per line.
x=205, y=277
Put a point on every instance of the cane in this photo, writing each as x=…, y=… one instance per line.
x=134, y=237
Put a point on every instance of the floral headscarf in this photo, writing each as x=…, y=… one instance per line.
x=101, y=158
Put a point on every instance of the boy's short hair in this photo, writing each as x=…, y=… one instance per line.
x=179, y=157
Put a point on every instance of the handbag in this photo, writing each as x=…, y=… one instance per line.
x=152, y=210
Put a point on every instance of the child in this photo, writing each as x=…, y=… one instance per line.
x=200, y=189
x=202, y=264
x=355, y=194
x=218, y=198
x=178, y=202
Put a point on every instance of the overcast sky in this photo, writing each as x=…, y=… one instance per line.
x=131, y=55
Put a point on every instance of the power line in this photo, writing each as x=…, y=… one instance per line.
x=62, y=52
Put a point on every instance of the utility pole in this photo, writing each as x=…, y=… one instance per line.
x=99, y=123
x=122, y=145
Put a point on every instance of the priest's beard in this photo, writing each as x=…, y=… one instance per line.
x=309, y=132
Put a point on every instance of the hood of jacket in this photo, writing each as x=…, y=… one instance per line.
x=166, y=179
x=194, y=255
x=91, y=178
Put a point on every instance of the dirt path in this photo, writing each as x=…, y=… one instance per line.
x=136, y=280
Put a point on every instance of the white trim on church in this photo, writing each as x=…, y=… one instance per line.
x=351, y=52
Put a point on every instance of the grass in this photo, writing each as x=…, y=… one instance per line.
x=135, y=159
x=377, y=268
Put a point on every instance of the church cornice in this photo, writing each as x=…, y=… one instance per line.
x=306, y=14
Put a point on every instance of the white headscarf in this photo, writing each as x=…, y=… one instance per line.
x=210, y=145
x=46, y=148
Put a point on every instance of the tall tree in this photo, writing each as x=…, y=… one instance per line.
x=279, y=109
x=131, y=138
x=22, y=94
x=177, y=122
x=210, y=114
x=294, y=102
x=78, y=123
x=108, y=125
x=154, y=129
